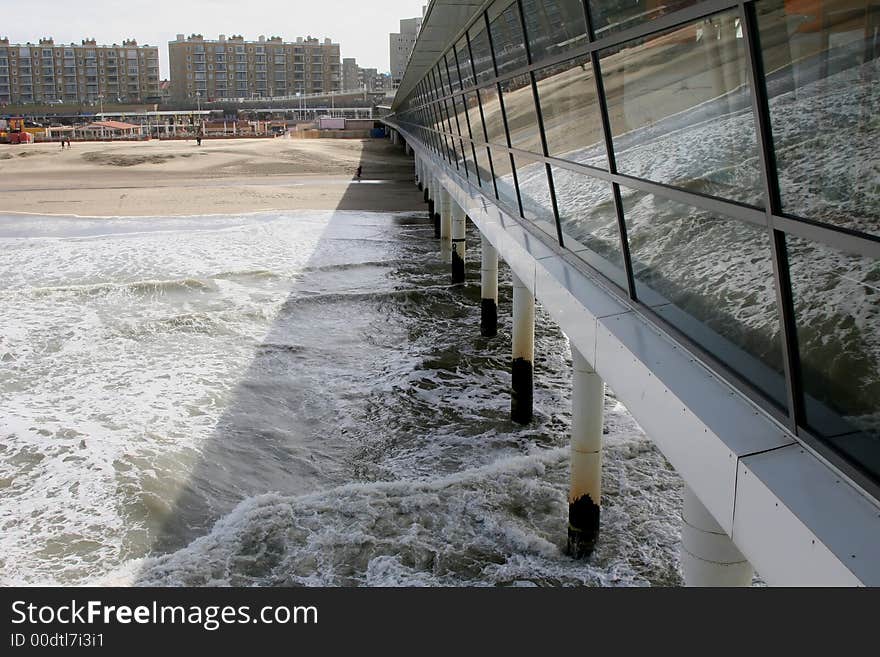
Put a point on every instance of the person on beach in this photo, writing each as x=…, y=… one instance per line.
x=358, y=173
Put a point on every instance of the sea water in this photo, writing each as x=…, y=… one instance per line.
x=290, y=399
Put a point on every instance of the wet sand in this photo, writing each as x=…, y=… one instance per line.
x=156, y=178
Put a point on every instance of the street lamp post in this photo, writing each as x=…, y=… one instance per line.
x=101, y=102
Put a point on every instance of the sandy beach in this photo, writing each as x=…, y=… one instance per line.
x=169, y=178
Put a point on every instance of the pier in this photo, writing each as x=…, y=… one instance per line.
x=777, y=451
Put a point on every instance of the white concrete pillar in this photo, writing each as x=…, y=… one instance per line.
x=459, y=243
x=708, y=556
x=488, y=289
x=445, y=215
x=522, y=368
x=585, y=490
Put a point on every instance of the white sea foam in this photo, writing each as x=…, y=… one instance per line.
x=306, y=382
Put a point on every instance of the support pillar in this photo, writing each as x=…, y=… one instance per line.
x=445, y=215
x=708, y=556
x=459, y=242
x=488, y=290
x=438, y=207
x=426, y=184
x=429, y=196
x=522, y=375
x=585, y=491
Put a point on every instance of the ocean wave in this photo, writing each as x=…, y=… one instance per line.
x=498, y=525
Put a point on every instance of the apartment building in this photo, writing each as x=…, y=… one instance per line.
x=235, y=68
x=47, y=72
x=369, y=79
x=402, y=44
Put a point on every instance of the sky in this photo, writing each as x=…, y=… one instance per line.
x=361, y=30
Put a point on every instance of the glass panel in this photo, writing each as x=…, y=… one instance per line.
x=609, y=17
x=484, y=170
x=468, y=151
x=522, y=120
x=452, y=66
x=481, y=52
x=534, y=192
x=570, y=109
x=459, y=116
x=712, y=278
x=837, y=309
x=464, y=63
x=450, y=117
x=681, y=112
x=504, y=180
x=474, y=118
x=554, y=26
x=444, y=76
x=493, y=116
x=589, y=221
x=823, y=78
x=507, y=36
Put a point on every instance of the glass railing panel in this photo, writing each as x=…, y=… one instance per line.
x=481, y=51
x=554, y=27
x=504, y=180
x=534, y=193
x=610, y=17
x=522, y=119
x=712, y=278
x=822, y=65
x=837, y=312
x=492, y=114
x=570, y=109
x=589, y=222
x=507, y=36
x=681, y=113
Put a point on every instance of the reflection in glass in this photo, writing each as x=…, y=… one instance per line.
x=589, y=221
x=554, y=26
x=712, y=278
x=464, y=63
x=823, y=81
x=680, y=109
x=485, y=173
x=481, y=52
x=610, y=17
x=837, y=311
x=492, y=115
x=452, y=67
x=522, y=120
x=570, y=109
x=534, y=192
x=507, y=36
x=504, y=180
x=474, y=118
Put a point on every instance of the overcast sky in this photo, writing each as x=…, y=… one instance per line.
x=361, y=29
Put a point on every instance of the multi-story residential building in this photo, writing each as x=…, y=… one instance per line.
x=234, y=68
x=355, y=78
x=350, y=74
x=402, y=44
x=50, y=73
